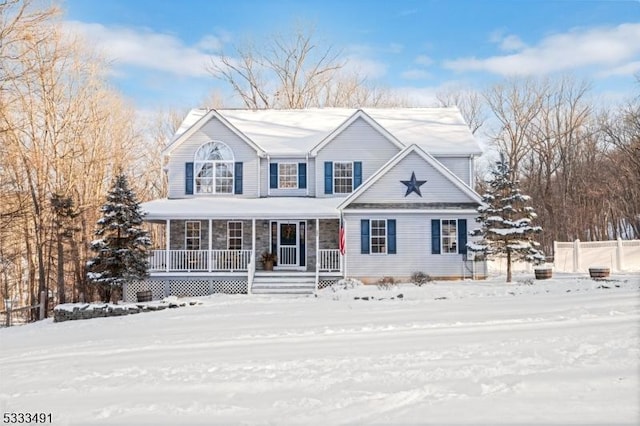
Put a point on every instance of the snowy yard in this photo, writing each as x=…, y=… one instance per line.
x=561, y=351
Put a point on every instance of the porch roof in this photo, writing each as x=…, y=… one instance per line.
x=242, y=208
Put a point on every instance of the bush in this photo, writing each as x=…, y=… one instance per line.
x=385, y=283
x=419, y=278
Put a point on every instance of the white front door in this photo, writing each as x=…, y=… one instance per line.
x=288, y=240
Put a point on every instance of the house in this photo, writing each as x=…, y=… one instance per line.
x=332, y=193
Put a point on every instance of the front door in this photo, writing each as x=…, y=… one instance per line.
x=288, y=244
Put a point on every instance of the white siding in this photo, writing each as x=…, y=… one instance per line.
x=413, y=246
x=213, y=130
x=358, y=142
x=437, y=189
x=460, y=166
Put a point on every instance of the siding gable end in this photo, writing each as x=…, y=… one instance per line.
x=386, y=187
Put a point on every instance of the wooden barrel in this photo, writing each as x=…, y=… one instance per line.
x=543, y=273
x=598, y=273
x=144, y=296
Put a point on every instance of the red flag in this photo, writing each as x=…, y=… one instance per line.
x=341, y=240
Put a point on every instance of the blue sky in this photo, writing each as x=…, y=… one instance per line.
x=159, y=48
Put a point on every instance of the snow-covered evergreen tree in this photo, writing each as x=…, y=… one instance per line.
x=506, y=220
x=121, y=247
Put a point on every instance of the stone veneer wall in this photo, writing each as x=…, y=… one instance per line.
x=329, y=229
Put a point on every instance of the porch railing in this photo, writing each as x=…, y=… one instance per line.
x=199, y=260
x=329, y=260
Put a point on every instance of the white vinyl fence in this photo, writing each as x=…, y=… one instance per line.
x=619, y=255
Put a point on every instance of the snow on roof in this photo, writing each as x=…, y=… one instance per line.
x=242, y=208
x=439, y=131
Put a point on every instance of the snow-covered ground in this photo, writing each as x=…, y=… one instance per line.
x=561, y=351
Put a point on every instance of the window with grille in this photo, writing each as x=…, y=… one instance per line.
x=449, y=236
x=192, y=232
x=287, y=175
x=378, y=236
x=342, y=177
x=234, y=235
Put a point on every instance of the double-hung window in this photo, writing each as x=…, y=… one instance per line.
x=449, y=235
x=192, y=235
x=287, y=175
x=342, y=177
x=234, y=235
x=378, y=236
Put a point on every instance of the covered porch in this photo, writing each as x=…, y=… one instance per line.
x=232, y=237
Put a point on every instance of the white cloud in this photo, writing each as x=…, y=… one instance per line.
x=415, y=74
x=423, y=60
x=627, y=69
x=147, y=49
x=511, y=43
x=602, y=46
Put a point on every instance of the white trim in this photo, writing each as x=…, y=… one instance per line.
x=459, y=183
x=448, y=253
x=186, y=224
x=204, y=120
x=297, y=244
x=210, y=241
x=236, y=208
x=333, y=177
x=306, y=162
x=214, y=163
x=167, y=242
x=358, y=114
x=241, y=234
x=386, y=237
x=297, y=177
x=400, y=211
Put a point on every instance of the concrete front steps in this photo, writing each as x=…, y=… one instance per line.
x=284, y=282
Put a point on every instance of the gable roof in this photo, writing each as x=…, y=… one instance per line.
x=455, y=180
x=195, y=120
x=359, y=114
x=439, y=131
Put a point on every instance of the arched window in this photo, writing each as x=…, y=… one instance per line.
x=213, y=169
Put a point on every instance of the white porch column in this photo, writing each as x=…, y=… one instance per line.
x=253, y=236
x=209, y=256
x=343, y=258
x=317, y=252
x=167, y=256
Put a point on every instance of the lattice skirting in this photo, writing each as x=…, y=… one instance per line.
x=184, y=287
x=324, y=283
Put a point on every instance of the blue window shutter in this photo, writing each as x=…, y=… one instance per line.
x=435, y=236
x=302, y=175
x=328, y=177
x=273, y=175
x=188, y=178
x=237, y=178
x=391, y=236
x=462, y=236
x=357, y=174
x=364, y=236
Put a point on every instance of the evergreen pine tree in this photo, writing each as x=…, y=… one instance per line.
x=121, y=249
x=506, y=220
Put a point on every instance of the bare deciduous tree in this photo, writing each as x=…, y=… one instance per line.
x=469, y=102
x=293, y=71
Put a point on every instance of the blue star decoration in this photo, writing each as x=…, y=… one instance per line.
x=413, y=185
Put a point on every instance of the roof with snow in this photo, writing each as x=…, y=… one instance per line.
x=241, y=208
x=439, y=131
